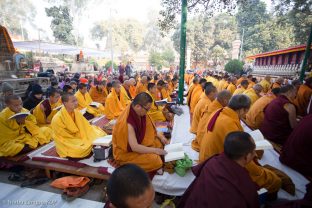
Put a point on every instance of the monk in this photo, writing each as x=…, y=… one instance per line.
x=296, y=152
x=45, y=110
x=155, y=112
x=72, y=133
x=232, y=85
x=227, y=120
x=159, y=87
x=266, y=84
x=84, y=100
x=222, y=180
x=255, y=115
x=280, y=116
x=243, y=86
x=242, y=78
x=113, y=105
x=191, y=88
x=20, y=134
x=135, y=139
x=254, y=93
x=252, y=82
x=125, y=96
x=278, y=83
x=222, y=83
x=196, y=93
x=99, y=92
x=303, y=97
x=210, y=94
x=132, y=87
x=136, y=192
x=142, y=85
x=221, y=101
x=6, y=90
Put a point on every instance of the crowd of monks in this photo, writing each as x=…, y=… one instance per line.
x=218, y=105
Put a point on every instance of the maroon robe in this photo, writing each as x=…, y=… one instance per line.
x=220, y=182
x=297, y=150
x=276, y=126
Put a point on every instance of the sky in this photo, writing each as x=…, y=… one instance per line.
x=136, y=9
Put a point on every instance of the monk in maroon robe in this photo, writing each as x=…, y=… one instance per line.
x=296, y=152
x=222, y=180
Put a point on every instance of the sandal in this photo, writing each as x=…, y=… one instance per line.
x=70, y=194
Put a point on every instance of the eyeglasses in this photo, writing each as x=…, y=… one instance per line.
x=145, y=108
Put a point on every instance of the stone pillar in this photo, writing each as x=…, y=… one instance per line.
x=235, y=49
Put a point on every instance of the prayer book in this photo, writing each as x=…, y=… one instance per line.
x=261, y=143
x=20, y=115
x=58, y=108
x=83, y=111
x=95, y=104
x=112, y=122
x=162, y=129
x=174, y=152
x=164, y=102
x=105, y=141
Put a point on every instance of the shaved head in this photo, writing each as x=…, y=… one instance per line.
x=223, y=97
x=258, y=88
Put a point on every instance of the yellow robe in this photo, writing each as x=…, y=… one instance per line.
x=225, y=85
x=240, y=80
x=202, y=104
x=165, y=94
x=195, y=96
x=13, y=136
x=155, y=112
x=140, y=88
x=265, y=85
x=251, y=93
x=113, y=105
x=132, y=92
x=255, y=115
x=98, y=96
x=125, y=99
x=40, y=115
x=212, y=143
x=149, y=162
x=239, y=91
x=84, y=101
x=251, y=84
x=220, y=85
x=302, y=100
x=73, y=138
x=231, y=87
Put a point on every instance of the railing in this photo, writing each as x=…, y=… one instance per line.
x=277, y=70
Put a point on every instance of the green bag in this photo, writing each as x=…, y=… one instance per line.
x=183, y=165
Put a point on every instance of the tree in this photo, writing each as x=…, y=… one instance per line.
x=61, y=24
x=109, y=64
x=218, y=55
x=156, y=59
x=234, y=66
x=15, y=14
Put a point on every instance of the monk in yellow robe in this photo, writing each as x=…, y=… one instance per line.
x=47, y=108
x=232, y=85
x=266, y=84
x=255, y=115
x=84, y=100
x=278, y=83
x=196, y=93
x=220, y=85
x=113, y=105
x=221, y=101
x=141, y=85
x=125, y=96
x=243, y=77
x=252, y=81
x=132, y=88
x=303, y=97
x=243, y=86
x=190, y=90
x=226, y=83
x=99, y=92
x=20, y=134
x=72, y=133
x=155, y=112
x=227, y=120
x=135, y=139
x=254, y=93
x=209, y=95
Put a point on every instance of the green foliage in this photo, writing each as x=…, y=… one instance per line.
x=109, y=64
x=234, y=66
x=160, y=59
x=61, y=24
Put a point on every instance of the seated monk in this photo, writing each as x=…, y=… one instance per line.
x=125, y=96
x=280, y=116
x=296, y=152
x=132, y=87
x=255, y=115
x=157, y=113
x=232, y=85
x=254, y=93
x=278, y=83
x=210, y=92
x=141, y=85
x=243, y=86
x=84, y=100
x=134, y=136
x=113, y=105
x=303, y=97
x=45, y=110
x=222, y=180
x=129, y=186
x=242, y=78
x=227, y=120
x=21, y=134
x=221, y=101
x=72, y=133
x=266, y=84
x=99, y=92
x=196, y=93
